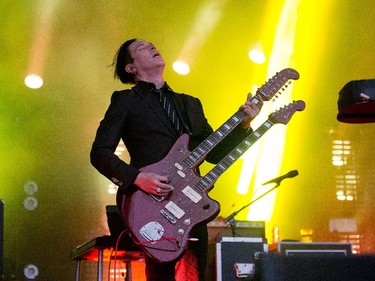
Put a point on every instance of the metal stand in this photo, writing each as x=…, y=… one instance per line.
x=231, y=218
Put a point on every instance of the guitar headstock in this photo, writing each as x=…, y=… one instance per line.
x=284, y=114
x=273, y=85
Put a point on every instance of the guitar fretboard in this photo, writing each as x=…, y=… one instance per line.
x=210, y=178
x=199, y=153
x=267, y=91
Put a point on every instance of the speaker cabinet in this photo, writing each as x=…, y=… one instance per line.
x=315, y=248
x=237, y=258
x=217, y=229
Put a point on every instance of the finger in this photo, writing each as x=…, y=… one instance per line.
x=253, y=106
x=163, y=189
x=160, y=192
x=163, y=179
x=166, y=187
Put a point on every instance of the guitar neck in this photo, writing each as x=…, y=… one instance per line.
x=206, y=182
x=200, y=152
x=281, y=116
x=266, y=92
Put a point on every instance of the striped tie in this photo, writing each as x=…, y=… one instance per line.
x=171, y=112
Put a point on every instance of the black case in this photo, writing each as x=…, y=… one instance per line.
x=237, y=258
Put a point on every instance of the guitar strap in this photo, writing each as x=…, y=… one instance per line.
x=182, y=112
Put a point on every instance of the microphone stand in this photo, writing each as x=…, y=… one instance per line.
x=231, y=218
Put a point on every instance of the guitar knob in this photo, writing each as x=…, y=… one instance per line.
x=187, y=221
x=181, y=231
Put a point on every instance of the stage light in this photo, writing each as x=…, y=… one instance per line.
x=257, y=56
x=181, y=67
x=30, y=203
x=33, y=81
x=206, y=20
x=31, y=271
x=40, y=45
x=30, y=187
x=283, y=41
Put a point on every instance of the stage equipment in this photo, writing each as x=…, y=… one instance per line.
x=275, y=267
x=237, y=258
x=103, y=248
x=218, y=228
x=231, y=218
x=286, y=248
x=356, y=102
x=278, y=180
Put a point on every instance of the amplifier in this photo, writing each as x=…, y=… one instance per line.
x=315, y=248
x=217, y=229
x=238, y=258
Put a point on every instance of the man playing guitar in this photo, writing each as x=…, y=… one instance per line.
x=138, y=117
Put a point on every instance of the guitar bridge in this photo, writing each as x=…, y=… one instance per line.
x=152, y=231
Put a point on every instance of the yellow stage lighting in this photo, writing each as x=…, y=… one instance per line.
x=181, y=67
x=266, y=159
x=257, y=56
x=33, y=81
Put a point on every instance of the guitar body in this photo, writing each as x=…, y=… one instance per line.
x=161, y=226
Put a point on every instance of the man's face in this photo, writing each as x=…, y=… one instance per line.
x=145, y=56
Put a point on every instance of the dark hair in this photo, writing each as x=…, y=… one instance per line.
x=121, y=59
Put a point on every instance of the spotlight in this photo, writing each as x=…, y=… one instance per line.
x=33, y=81
x=257, y=56
x=30, y=187
x=181, y=67
x=30, y=203
x=31, y=271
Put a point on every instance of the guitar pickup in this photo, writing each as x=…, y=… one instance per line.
x=192, y=194
x=168, y=216
x=175, y=210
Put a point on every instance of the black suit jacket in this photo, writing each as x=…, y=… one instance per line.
x=148, y=134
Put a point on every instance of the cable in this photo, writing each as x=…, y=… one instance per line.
x=115, y=250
